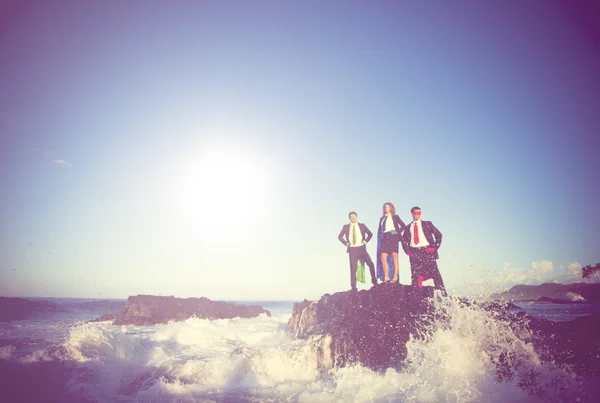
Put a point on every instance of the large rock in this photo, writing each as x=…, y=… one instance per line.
x=370, y=327
x=147, y=310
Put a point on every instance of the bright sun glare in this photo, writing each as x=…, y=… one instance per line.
x=218, y=184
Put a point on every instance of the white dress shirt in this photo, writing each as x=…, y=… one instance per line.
x=389, y=224
x=422, y=239
x=359, y=237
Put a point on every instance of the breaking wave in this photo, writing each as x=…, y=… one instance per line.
x=467, y=354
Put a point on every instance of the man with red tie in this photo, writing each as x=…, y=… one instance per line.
x=421, y=241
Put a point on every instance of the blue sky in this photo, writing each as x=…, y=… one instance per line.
x=215, y=148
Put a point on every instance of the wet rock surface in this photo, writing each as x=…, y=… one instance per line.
x=372, y=327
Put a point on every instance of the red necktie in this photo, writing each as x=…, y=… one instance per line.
x=416, y=234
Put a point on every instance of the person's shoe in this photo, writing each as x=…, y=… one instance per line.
x=354, y=289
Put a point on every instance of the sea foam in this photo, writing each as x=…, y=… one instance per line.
x=467, y=354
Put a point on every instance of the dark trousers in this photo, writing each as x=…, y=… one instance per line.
x=356, y=254
x=424, y=264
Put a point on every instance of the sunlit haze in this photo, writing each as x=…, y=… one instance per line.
x=215, y=148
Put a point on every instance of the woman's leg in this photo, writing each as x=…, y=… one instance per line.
x=396, y=267
x=386, y=269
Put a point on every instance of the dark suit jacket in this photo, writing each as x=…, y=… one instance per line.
x=432, y=234
x=366, y=234
x=398, y=225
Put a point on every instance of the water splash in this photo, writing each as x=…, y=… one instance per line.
x=573, y=296
x=470, y=352
x=466, y=353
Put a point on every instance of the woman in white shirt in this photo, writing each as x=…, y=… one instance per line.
x=388, y=236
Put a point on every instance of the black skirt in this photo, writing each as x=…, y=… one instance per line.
x=389, y=243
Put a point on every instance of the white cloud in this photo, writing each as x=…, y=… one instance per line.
x=542, y=272
x=538, y=273
x=63, y=163
x=575, y=269
x=481, y=280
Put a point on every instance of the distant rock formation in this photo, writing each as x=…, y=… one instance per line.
x=12, y=308
x=575, y=291
x=372, y=327
x=147, y=310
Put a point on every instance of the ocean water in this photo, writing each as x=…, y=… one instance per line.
x=558, y=312
x=63, y=358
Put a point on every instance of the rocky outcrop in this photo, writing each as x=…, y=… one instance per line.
x=12, y=308
x=370, y=327
x=147, y=310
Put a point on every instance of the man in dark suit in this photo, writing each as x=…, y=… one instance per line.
x=421, y=241
x=355, y=237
